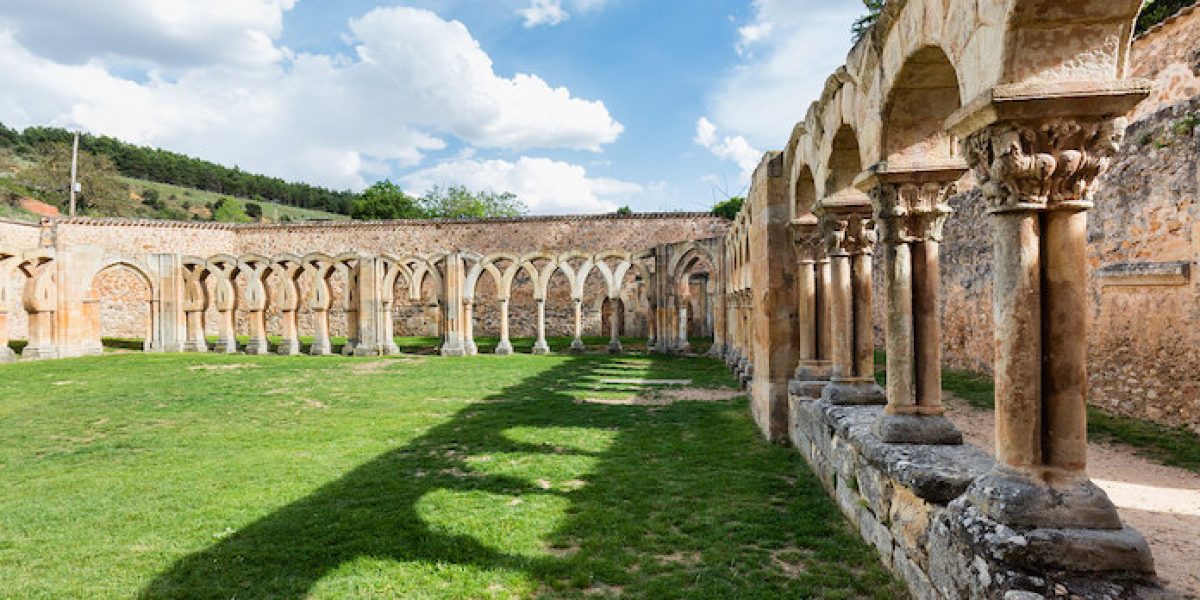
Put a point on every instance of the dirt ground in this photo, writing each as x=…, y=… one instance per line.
x=1163, y=503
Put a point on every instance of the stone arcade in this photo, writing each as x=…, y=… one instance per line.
x=1024, y=101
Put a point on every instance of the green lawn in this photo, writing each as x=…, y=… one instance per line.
x=205, y=476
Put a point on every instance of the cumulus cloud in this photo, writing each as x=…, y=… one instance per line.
x=546, y=186
x=735, y=149
x=412, y=80
x=788, y=50
x=165, y=33
x=552, y=12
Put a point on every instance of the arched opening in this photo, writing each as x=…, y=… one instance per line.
x=804, y=193
x=612, y=309
x=845, y=161
x=119, y=310
x=925, y=93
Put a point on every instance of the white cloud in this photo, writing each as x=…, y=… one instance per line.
x=544, y=12
x=163, y=33
x=551, y=12
x=789, y=49
x=731, y=148
x=414, y=78
x=546, y=186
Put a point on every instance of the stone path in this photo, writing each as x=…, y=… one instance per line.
x=1161, y=502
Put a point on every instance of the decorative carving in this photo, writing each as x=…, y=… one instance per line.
x=1043, y=164
x=912, y=212
x=807, y=241
x=848, y=234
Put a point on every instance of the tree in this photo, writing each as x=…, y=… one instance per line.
x=1157, y=11
x=457, y=202
x=867, y=21
x=385, y=200
x=150, y=197
x=102, y=193
x=730, y=208
x=624, y=211
x=254, y=211
x=228, y=211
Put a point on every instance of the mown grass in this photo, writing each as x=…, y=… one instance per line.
x=206, y=476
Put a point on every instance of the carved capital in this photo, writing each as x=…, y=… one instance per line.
x=807, y=240
x=1052, y=163
x=912, y=211
x=848, y=234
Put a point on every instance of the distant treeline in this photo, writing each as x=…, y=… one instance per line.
x=172, y=168
x=1157, y=11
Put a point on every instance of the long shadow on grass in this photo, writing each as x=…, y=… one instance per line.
x=683, y=501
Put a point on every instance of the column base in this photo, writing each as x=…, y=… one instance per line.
x=39, y=352
x=650, y=344
x=258, y=347
x=471, y=346
x=577, y=346
x=321, y=348
x=453, y=349
x=981, y=557
x=1018, y=499
x=614, y=347
x=199, y=346
x=732, y=357
x=504, y=348
x=367, y=350
x=853, y=393
x=683, y=348
x=225, y=346
x=928, y=430
x=813, y=370
x=289, y=348
x=391, y=349
x=807, y=389
x=97, y=349
x=7, y=355
x=540, y=348
x=349, y=348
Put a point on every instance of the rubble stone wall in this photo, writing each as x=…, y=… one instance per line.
x=1169, y=55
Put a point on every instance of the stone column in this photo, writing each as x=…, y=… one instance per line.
x=540, y=347
x=320, y=297
x=1039, y=176
x=812, y=369
x=40, y=299
x=225, y=300
x=349, y=269
x=683, y=345
x=195, y=302
x=469, y=327
x=614, y=326
x=911, y=210
x=849, y=238
x=577, y=345
x=255, y=301
x=452, y=296
x=504, y=348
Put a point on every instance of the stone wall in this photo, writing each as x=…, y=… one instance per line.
x=121, y=294
x=907, y=501
x=1144, y=237
x=1169, y=55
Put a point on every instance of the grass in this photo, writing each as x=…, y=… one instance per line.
x=206, y=476
x=173, y=197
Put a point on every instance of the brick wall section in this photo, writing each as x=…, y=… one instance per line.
x=1169, y=55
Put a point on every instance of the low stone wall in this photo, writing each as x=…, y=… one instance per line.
x=907, y=501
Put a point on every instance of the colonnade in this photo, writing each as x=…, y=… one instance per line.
x=185, y=292
x=1027, y=103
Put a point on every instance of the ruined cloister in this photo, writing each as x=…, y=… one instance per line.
x=1016, y=106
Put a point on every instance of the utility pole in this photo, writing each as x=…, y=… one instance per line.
x=74, y=170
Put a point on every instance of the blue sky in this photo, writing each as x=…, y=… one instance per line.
x=575, y=105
